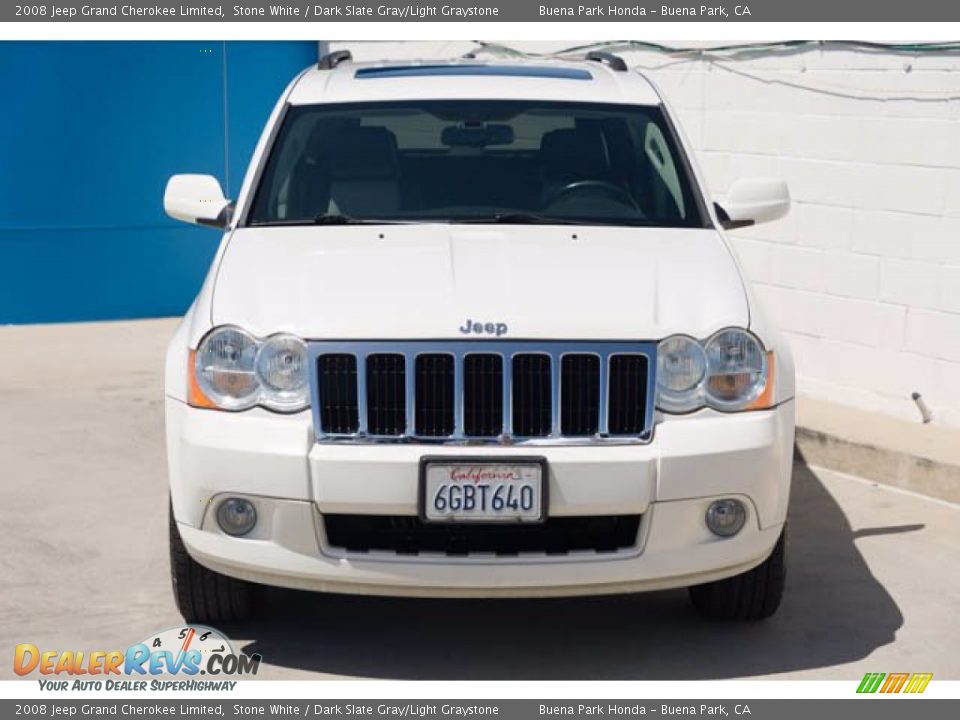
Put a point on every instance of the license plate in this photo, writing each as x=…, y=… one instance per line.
x=483, y=490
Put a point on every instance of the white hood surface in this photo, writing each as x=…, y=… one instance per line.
x=425, y=281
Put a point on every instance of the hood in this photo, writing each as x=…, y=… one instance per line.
x=429, y=281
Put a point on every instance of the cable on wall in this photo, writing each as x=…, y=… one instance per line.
x=724, y=58
x=742, y=49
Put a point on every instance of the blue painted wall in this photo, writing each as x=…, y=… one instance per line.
x=89, y=134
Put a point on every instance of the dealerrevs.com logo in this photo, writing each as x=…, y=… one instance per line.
x=894, y=682
x=189, y=651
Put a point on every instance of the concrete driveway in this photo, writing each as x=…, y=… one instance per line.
x=872, y=581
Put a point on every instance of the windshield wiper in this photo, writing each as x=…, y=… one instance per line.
x=338, y=219
x=328, y=219
x=516, y=218
x=504, y=218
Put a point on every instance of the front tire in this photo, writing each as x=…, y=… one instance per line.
x=205, y=596
x=750, y=596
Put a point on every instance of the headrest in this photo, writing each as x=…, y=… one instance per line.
x=363, y=152
x=324, y=136
x=574, y=154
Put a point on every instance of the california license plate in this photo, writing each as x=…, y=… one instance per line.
x=483, y=490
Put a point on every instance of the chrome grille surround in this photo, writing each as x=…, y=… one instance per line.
x=507, y=349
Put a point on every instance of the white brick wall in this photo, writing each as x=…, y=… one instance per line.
x=864, y=274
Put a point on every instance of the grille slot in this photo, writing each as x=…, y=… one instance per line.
x=386, y=394
x=532, y=396
x=337, y=388
x=434, y=395
x=628, y=394
x=579, y=395
x=408, y=535
x=482, y=395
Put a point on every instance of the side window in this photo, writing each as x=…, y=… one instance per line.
x=657, y=150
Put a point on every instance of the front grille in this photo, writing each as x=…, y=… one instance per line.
x=487, y=391
x=408, y=535
x=386, y=394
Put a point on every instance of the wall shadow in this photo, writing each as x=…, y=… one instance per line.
x=835, y=611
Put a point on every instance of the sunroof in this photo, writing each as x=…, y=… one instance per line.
x=533, y=71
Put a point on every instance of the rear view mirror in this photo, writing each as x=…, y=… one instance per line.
x=751, y=201
x=477, y=135
x=197, y=199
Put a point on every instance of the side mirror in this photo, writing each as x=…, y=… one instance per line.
x=197, y=199
x=753, y=200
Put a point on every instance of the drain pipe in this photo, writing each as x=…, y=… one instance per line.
x=922, y=406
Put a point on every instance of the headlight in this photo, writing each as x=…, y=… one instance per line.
x=736, y=369
x=232, y=370
x=729, y=371
x=223, y=368
x=681, y=366
x=282, y=372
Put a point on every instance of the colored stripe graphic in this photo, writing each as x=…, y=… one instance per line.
x=870, y=682
x=918, y=682
x=894, y=682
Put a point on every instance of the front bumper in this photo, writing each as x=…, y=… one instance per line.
x=273, y=461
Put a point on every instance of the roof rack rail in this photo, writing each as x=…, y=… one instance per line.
x=331, y=60
x=615, y=62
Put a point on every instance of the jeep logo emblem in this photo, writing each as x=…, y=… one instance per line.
x=471, y=327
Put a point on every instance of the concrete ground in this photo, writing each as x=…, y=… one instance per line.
x=872, y=582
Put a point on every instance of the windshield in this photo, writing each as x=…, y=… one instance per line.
x=476, y=161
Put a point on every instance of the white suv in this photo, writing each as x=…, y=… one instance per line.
x=474, y=330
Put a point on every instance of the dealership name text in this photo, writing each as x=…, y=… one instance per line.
x=641, y=11
x=664, y=710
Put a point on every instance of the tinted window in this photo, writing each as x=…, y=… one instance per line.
x=468, y=160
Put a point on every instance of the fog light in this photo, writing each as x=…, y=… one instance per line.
x=236, y=516
x=726, y=517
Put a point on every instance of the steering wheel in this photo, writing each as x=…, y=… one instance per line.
x=614, y=192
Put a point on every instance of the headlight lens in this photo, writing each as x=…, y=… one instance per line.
x=282, y=371
x=729, y=371
x=224, y=368
x=736, y=369
x=681, y=366
x=232, y=370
